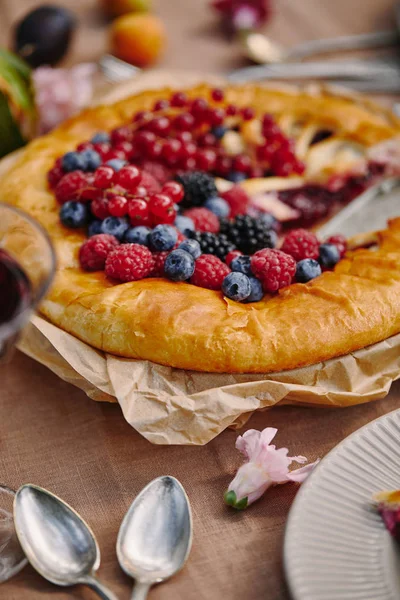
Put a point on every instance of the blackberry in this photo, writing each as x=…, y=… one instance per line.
x=213, y=243
x=198, y=187
x=248, y=234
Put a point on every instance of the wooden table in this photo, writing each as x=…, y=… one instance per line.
x=53, y=435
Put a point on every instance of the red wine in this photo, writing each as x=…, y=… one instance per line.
x=15, y=288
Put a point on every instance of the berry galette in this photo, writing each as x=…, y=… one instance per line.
x=185, y=225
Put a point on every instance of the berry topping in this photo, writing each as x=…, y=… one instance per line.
x=301, y=244
x=137, y=235
x=273, y=268
x=128, y=177
x=216, y=244
x=241, y=264
x=184, y=224
x=209, y=272
x=74, y=214
x=329, y=256
x=69, y=186
x=159, y=261
x=257, y=291
x=163, y=237
x=218, y=206
x=198, y=188
x=179, y=265
x=231, y=255
x=115, y=226
x=248, y=234
x=340, y=242
x=191, y=246
x=129, y=262
x=236, y=286
x=203, y=219
x=307, y=269
x=73, y=161
x=93, y=253
x=237, y=199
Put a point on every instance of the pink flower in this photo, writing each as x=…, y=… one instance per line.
x=266, y=466
x=60, y=93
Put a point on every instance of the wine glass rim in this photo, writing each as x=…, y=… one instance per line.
x=15, y=323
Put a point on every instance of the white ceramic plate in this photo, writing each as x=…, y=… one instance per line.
x=336, y=545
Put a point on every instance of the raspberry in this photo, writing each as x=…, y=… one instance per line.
x=93, y=253
x=203, y=219
x=340, y=242
x=158, y=172
x=231, y=255
x=237, y=199
x=273, y=268
x=209, y=272
x=159, y=261
x=301, y=244
x=54, y=175
x=129, y=262
x=69, y=185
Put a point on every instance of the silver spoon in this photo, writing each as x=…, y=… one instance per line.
x=155, y=536
x=56, y=541
x=262, y=50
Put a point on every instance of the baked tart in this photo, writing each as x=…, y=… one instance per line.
x=183, y=224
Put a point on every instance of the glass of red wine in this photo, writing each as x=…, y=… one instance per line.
x=27, y=266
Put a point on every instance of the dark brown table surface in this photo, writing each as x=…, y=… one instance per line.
x=51, y=434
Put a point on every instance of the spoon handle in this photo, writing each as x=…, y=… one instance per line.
x=101, y=590
x=140, y=591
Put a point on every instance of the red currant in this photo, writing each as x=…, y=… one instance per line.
x=114, y=153
x=161, y=105
x=128, y=177
x=256, y=171
x=247, y=113
x=173, y=190
x=231, y=110
x=143, y=138
x=223, y=165
x=154, y=149
x=217, y=95
x=84, y=146
x=267, y=122
x=207, y=139
x=188, y=164
x=184, y=122
x=162, y=208
x=102, y=148
x=241, y=163
x=121, y=134
x=99, y=208
x=265, y=152
x=90, y=193
x=178, y=99
x=54, y=176
x=142, y=115
x=138, y=211
x=215, y=116
x=188, y=150
x=171, y=151
x=141, y=192
x=118, y=206
x=184, y=136
x=199, y=108
x=126, y=148
x=160, y=126
x=103, y=177
x=206, y=159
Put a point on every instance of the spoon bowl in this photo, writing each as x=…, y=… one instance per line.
x=56, y=540
x=155, y=536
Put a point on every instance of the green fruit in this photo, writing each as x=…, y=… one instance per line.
x=17, y=107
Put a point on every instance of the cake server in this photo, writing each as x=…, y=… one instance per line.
x=155, y=536
x=56, y=541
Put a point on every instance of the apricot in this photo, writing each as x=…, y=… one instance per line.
x=138, y=38
x=116, y=8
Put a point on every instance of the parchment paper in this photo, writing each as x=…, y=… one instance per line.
x=172, y=406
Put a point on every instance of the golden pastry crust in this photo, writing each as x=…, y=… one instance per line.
x=184, y=326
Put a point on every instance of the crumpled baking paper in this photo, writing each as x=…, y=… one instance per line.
x=173, y=406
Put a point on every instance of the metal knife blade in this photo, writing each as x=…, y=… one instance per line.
x=369, y=212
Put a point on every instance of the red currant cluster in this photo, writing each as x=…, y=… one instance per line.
x=277, y=152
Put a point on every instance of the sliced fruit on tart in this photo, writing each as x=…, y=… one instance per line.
x=196, y=202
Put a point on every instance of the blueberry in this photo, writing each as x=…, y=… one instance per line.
x=179, y=265
x=269, y=221
x=257, y=292
x=219, y=131
x=329, y=255
x=163, y=237
x=72, y=161
x=94, y=227
x=102, y=137
x=218, y=206
x=191, y=246
x=236, y=176
x=92, y=158
x=307, y=269
x=74, y=214
x=116, y=226
x=138, y=235
x=242, y=264
x=184, y=224
x=236, y=286
x=116, y=163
